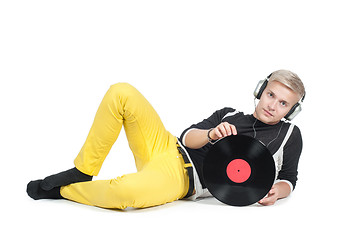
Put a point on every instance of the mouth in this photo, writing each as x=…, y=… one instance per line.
x=267, y=113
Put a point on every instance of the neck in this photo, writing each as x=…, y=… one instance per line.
x=255, y=115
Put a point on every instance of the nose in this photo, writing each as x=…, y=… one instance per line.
x=272, y=105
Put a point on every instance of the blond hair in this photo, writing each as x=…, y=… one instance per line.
x=290, y=80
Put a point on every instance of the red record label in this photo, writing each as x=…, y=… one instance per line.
x=238, y=170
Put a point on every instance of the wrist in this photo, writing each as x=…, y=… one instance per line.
x=210, y=139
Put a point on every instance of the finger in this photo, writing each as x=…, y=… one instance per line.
x=233, y=129
x=267, y=201
x=218, y=133
x=262, y=201
x=222, y=130
x=227, y=126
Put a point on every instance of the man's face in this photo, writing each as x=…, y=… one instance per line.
x=276, y=101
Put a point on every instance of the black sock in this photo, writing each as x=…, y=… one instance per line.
x=64, y=178
x=36, y=192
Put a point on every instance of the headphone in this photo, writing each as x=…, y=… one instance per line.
x=296, y=109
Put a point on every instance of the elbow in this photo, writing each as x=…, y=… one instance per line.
x=184, y=139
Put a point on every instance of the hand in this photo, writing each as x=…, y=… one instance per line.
x=271, y=197
x=224, y=129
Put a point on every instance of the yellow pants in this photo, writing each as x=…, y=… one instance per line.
x=161, y=176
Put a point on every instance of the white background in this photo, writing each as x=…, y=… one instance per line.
x=189, y=58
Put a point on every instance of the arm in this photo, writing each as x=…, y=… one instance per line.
x=197, y=138
x=288, y=173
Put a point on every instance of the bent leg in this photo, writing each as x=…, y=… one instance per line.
x=123, y=105
x=162, y=181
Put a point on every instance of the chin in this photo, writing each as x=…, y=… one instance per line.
x=270, y=120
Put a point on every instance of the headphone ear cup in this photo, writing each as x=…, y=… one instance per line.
x=260, y=88
x=296, y=109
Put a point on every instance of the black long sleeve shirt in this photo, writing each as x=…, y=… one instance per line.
x=286, y=154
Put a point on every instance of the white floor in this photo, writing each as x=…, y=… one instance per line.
x=299, y=217
x=188, y=58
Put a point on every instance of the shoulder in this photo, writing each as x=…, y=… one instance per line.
x=296, y=132
x=295, y=139
x=229, y=112
x=226, y=110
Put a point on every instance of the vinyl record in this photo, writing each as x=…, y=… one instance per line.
x=239, y=170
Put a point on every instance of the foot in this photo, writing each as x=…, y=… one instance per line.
x=64, y=178
x=36, y=192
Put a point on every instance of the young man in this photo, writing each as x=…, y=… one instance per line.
x=168, y=168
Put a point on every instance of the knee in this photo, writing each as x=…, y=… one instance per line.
x=123, y=89
x=122, y=193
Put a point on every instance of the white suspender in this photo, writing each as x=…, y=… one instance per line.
x=289, y=132
x=278, y=156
